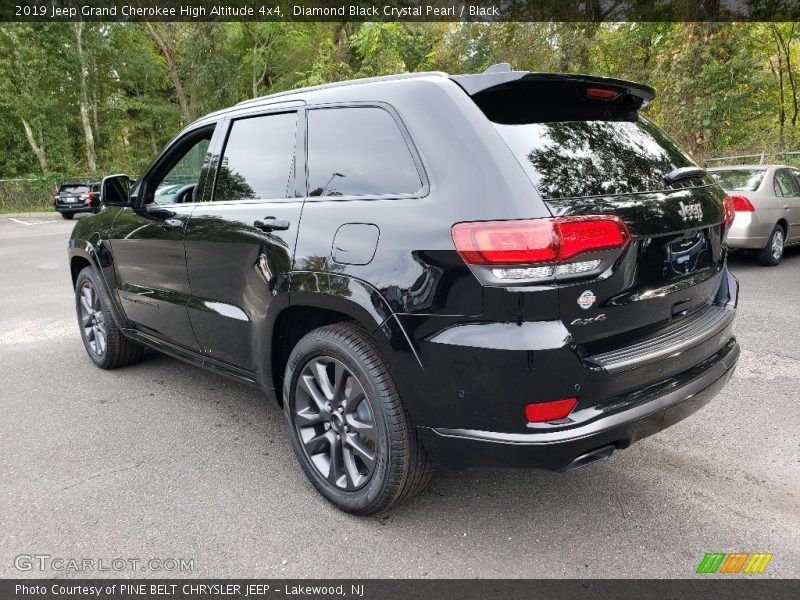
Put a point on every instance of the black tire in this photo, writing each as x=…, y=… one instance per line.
x=96, y=323
x=68, y=216
x=771, y=254
x=400, y=465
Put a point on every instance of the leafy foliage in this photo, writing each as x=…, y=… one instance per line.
x=723, y=88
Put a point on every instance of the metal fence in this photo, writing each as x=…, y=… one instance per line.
x=791, y=157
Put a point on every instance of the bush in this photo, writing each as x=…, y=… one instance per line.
x=31, y=195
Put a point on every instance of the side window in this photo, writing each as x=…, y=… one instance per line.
x=785, y=185
x=358, y=152
x=181, y=180
x=258, y=158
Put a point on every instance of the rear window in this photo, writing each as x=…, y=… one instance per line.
x=571, y=159
x=739, y=180
x=77, y=188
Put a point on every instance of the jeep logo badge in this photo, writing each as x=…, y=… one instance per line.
x=690, y=211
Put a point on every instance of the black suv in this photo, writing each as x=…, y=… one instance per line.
x=506, y=268
x=72, y=198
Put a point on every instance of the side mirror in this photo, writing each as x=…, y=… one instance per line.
x=116, y=190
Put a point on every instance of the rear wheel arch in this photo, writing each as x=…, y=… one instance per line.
x=76, y=265
x=783, y=224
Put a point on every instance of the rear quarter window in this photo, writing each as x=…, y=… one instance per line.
x=358, y=151
x=570, y=159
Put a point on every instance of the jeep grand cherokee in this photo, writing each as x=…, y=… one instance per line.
x=505, y=268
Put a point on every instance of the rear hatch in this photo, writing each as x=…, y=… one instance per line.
x=70, y=193
x=588, y=151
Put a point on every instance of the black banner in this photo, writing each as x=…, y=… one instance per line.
x=399, y=10
x=452, y=589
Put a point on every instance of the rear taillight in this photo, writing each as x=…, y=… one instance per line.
x=730, y=210
x=742, y=204
x=535, y=250
x=532, y=249
x=542, y=412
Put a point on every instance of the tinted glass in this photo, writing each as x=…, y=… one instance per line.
x=176, y=185
x=257, y=160
x=739, y=180
x=76, y=188
x=592, y=158
x=358, y=152
x=785, y=184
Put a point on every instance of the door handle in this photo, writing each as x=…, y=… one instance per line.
x=271, y=224
x=172, y=224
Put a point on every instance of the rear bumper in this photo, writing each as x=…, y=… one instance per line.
x=646, y=412
x=75, y=208
x=748, y=231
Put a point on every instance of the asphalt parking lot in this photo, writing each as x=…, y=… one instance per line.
x=162, y=460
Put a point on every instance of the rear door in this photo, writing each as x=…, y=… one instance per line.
x=240, y=239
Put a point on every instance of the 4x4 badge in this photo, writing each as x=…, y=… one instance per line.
x=586, y=299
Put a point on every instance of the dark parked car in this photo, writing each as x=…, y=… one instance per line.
x=75, y=197
x=508, y=269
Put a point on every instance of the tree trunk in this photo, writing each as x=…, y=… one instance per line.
x=167, y=45
x=84, y=103
x=38, y=150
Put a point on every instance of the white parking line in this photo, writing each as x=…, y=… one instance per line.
x=35, y=223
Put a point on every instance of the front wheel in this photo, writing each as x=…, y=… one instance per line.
x=771, y=254
x=103, y=340
x=347, y=424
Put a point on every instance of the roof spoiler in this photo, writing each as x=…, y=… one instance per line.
x=497, y=77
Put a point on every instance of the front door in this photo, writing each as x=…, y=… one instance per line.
x=240, y=241
x=147, y=242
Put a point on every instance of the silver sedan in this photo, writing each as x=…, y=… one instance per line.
x=767, y=202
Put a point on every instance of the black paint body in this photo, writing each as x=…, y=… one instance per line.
x=222, y=293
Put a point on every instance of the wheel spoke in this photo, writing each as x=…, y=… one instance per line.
x=322, y=379
x=340, y=377
x=85, y=304
x=354, y=476
x=306, y=418
x=356, y=395
x=101, y=341
x=359, y=448
x=309, y=385
x=318, y=443
x=336, y=474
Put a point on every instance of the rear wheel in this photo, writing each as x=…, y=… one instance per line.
x=347, y=424
x=103, y=340
x=68, y=216
x=771, y=254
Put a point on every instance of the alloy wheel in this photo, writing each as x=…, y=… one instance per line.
x=335, y=423
x=777, y=244
x=93, y=320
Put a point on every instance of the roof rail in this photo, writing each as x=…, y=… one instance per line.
x=336, y=84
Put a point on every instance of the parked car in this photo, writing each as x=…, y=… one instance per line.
x=500, y=269
x=767, y=201
x=77, y=197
